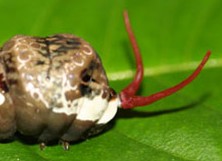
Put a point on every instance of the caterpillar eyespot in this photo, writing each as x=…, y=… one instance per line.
x=55, y=88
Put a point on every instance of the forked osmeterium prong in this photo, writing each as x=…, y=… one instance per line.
x=129, y=101
x=127, y=95
x=132, y=88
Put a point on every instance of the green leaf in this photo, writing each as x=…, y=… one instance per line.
x=173, y=37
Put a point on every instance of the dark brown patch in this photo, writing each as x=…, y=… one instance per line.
x=12, y=81
x=9, y=64
x=10, y=69
x=71, y=95
x=36, y=45
x=3, y=85
x=57, y=124
x=86, y=75
x=44, y=48
x=36, y=95
x=105, y=93
x=112, y=93
x=97, y=129
x=40, y=62
x=85, y=89
x=77, y=130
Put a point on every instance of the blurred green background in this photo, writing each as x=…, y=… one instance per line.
x=173, y=37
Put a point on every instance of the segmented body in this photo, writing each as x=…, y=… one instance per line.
x=55, y=88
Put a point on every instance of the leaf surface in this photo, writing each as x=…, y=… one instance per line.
x=173, y=37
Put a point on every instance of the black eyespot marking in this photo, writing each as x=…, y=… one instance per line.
x=93, y=80
x=86, y=78
x=85, y=90
x=86, y=75
x=40, y=62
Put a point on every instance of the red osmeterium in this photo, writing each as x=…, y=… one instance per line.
x=127, y=95
x=132, y=88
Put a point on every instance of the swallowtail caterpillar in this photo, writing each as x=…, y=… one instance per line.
x=55, y=88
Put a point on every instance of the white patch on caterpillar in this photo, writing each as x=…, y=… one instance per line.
x=2, y=98
x=30, y=88
x=92, y=109
x=85, y=108
x=110, y=111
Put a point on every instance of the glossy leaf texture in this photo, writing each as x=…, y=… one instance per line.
x=173, y=37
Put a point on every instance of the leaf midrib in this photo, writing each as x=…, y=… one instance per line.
x=164, y=69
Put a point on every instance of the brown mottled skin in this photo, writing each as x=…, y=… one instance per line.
x=26, y=59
